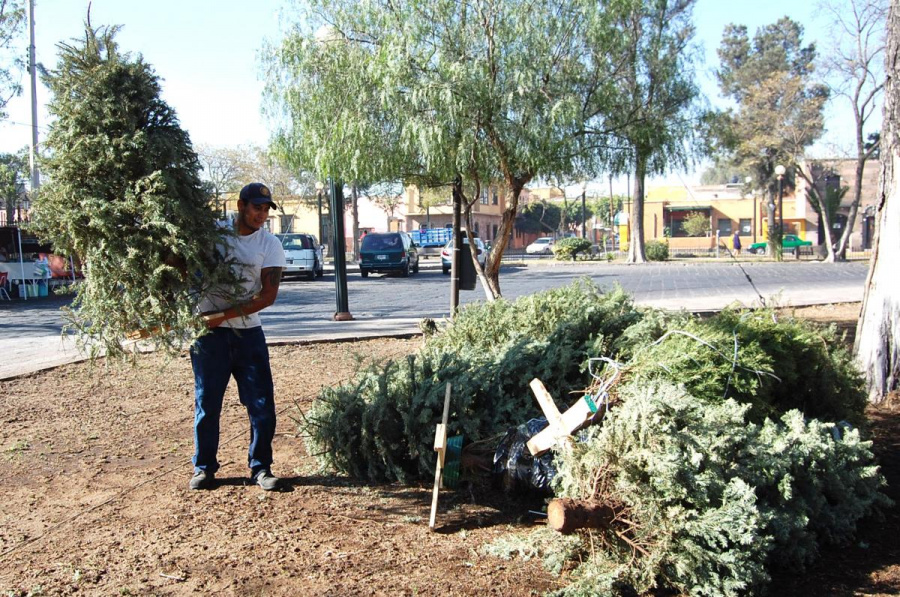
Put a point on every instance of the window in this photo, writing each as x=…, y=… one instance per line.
x=286, y=223
x=677, y=227
x=484, y=196
x=476, y=228
x=746, y=226
x=724, y=227
x=496, y=198
x=495, y=232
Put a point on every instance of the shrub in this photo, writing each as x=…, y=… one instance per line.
x=656, y=250
x=569, y=248
x=707, y=501
x=380, y=427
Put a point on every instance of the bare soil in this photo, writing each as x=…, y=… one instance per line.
x=95, y=463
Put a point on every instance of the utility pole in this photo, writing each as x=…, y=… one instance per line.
x=583, y=215
x=35, y=175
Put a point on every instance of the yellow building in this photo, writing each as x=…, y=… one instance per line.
x=728, y=207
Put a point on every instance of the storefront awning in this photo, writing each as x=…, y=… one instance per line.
x=688, y=207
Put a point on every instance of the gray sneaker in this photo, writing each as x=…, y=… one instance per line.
x=202, y=480
x=266, y=480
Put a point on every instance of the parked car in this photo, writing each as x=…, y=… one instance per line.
x=791, y=243
x=303, y=254
x=447, y=253
x=388, y=252
x=542, y=246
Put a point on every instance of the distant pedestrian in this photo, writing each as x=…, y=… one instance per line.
x=736, y=243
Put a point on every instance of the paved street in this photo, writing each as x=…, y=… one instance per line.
x=30, y=340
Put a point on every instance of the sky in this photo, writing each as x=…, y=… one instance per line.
x=207, y=55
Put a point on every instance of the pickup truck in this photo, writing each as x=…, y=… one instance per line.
x=431, y=240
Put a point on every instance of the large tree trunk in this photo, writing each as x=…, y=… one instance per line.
x=878, y=331
x=636, y=218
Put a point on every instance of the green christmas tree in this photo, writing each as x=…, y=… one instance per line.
x=124, y=196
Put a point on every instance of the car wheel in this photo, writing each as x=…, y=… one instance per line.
x=416, y=268
x=404, y=273
x=364, y=272
x=320, y=270
x=446, y=271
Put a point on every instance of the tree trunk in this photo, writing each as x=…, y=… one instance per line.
x=771, y=249
x=473, y=248
x=567, y=515
x=878, y=331
x=492, y=265
x=636, y=242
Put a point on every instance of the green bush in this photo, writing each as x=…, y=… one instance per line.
x=775, y=365
x=656, y=250
x=381, y=426
x=569, y=248
x=708, y=501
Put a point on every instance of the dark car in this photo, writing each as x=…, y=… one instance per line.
x=388, y=252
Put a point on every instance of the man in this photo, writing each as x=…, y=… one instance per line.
x=236, y=345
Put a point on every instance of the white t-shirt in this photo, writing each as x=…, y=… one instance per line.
x=253, y=253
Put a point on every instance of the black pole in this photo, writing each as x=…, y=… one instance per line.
x=340, y=252
x=457, y=243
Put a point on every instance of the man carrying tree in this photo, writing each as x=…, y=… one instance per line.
x=236, y=345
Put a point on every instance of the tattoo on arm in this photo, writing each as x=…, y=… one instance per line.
x=272, y=277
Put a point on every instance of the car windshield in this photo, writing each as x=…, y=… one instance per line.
x=297, y=242
x=542, y=241
x=478, y=243
x=381, y=242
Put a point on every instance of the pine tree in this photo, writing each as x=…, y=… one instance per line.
x=125, y=197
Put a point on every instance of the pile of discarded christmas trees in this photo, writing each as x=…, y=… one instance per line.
x=719, y=449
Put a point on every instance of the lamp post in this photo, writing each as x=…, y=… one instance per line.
x=779, y=173
x=319, y=189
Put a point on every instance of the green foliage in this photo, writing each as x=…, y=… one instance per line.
x=124, y=197
x=569, y=248
x=12, y=22
x=709, y=501
x=13, y=174
x=775, y=366
x=696, y=224
x=540, y=217
x=657, y=250
x=771, y=79
x=381, y=427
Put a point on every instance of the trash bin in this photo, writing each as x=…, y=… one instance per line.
x=467, y=273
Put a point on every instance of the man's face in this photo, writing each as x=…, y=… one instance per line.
x=253, y=216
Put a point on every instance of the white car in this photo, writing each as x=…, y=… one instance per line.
x=303, y=255
x=447, y=253
x=542, y=246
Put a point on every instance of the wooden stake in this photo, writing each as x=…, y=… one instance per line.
x=440, y=446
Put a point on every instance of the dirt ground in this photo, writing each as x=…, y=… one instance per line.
x=95, y=463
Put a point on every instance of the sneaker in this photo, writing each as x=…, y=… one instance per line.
x=202, y=480
x=266, y=480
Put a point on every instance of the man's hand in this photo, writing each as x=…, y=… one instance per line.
x=271, y=278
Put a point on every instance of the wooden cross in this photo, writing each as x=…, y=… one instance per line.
x=560, y=426
x=440, y=446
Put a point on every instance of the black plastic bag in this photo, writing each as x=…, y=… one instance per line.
x=515, y=469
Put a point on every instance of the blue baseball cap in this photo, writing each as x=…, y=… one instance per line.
x=257, y=193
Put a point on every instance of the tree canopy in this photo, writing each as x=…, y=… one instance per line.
x=12, y=21
x=440, y=93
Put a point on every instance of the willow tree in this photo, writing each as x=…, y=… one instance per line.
x=441, y=93
x=878, y=331
x=125, y=197
x=779, y=109
x=659, y=111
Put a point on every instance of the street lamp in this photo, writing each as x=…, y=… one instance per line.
x=319, y=188
x=779, y=173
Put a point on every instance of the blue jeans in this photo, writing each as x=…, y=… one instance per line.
x=216, y=357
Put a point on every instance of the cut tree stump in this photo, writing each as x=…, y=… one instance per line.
x=567, y=515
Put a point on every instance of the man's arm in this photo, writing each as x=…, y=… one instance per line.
x=271, y=279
